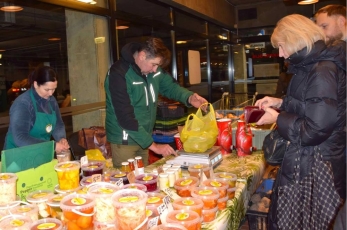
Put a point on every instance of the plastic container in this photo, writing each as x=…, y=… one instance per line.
x=149, y=180
x=48, y=223
x=68, y=175
x=130, y=206
x=85, y=181
x=54, y=206
x=168, y=226
x=209, y=196
x=78, y=211
x=184, y=185
x=151, y=212
x=189, y=203
x=82, y=190
x=58, y=190
x=102, y=194
x=40, y=199
x=189, y=219
x=104, y=226
x=16, y=222
x=229, y=177
x=135, y=186
x=195, y=169
x=119, y=175
x=231, y=192
x=154, y=199
x=7, y=188
x=209, y=215
x=64, y=156
x=222, y=203
x=219, y=184
x=4, y=209
x=29, y=210
x=92, y=168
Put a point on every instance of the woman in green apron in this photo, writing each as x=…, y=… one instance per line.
x=35, y=116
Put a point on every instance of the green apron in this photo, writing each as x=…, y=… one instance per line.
x=43, y=126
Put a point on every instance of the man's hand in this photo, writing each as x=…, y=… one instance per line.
x=196, y=100
x=162, y=149
x=269, y=102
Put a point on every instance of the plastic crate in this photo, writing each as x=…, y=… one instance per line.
x=163, y=138
x=170, y=110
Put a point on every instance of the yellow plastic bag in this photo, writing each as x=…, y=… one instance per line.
x=94, y=155
x=200, y=131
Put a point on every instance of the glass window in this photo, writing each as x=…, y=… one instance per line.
x=190, y=23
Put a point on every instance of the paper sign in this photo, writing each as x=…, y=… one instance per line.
x=131, y=177
x=96, y=178
x=167, y=201
x=84, y=160
x=171, y=193
x=163, y=211
x=119, y=183
x=152, y=222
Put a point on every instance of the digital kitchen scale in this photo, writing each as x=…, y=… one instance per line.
x=212, y=156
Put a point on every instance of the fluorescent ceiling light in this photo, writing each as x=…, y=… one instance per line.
x=307, y=2
x=11, y=8
x=99, y=40
x=54, y=39
x=122, y=27
x=181, y=42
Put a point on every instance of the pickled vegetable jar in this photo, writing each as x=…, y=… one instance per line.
x=208, y=195
x=4, y=209
x=130, y=206
x=184, y=185
x=68, y=175
x=17, y=222
x=148, y=180
x=195, y=169
x=7, y=188
x=229, y=177
x=40, y=199
x=189, y=219
x=78, y=211
x=154, y=199
x=94, y=167
x=30, y=210
x=119, y=175
x=219, y=184
x=47, y=224
x=188, y=203
x=209, y=215
x=54, y=206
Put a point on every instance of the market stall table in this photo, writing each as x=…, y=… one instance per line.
x=249, y=170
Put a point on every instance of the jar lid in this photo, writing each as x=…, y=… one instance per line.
x=125, y=163
x=67, y=166
x=47, y=224
x=163, y=175
x=93, y=166
x=15, y=222
x=8, y=177
x=138, y=158
x=102, y=190
x=39, y=196
x=131, y=160
x=22, y=209
x=55, y=200
x=77, y=201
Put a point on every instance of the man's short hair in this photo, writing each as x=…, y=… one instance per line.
x=333, y=10
x=154, y=47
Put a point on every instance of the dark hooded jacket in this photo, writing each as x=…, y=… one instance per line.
x=314, y=114
x=132, y=99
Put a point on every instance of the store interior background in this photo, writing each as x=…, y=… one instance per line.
x=80, y=40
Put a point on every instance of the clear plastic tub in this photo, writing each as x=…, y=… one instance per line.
x=169, y=226
x=54, y=206
x=219, y=184
x=209, y=215
x=208, y=195
x=16, y=222
x=231, y=193
x=151, y=212
x=149, y=180
x=40, y=199
x=68, y=175
x=119, y=175
x=154, y=199
x=130, y=206
x=30, y=210
x=184, y=185
x=78, y=211
x=7, y=188
x=58, y=190
x=189, y=219
x=189, y=203
x=195, y=169
x=222, y=203
x=135, y=186
x=64, y=156
x=229, y=177
x=47, y=223
x=102, y=194
x=104, y=226
x=4, y=209
x=93, y=167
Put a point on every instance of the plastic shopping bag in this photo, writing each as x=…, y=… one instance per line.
x=200, y=131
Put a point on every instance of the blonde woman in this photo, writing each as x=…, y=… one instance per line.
x=313, y=112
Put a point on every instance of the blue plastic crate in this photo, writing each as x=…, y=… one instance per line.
x=163, y=138
x=265, y=186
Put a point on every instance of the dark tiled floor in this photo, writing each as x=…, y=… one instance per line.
x=244, y=226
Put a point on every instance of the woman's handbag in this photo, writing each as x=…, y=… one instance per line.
x=311, y=203
x=274, y=147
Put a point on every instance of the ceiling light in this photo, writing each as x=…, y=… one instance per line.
x=122, y=27
x=2, y=50
x=99, y=40
x=54, y=39
x=11, y=8
x=181, y=42
x=307, y=2
x=223, y=37
x=86, y=1
x=0, y=56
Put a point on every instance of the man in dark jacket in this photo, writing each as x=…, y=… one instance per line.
x=132, y=87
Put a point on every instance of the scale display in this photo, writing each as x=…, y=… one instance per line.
x=212, y=156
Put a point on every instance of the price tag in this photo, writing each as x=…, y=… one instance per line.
x=84, y=160
x=163, y=211
x=152, y=222
x=171, y=193
x=202, y=177
x=96, y=178
x=160, y=169
x=131, y=177
x=167, y=201
x=119, y=183
x=211, y=171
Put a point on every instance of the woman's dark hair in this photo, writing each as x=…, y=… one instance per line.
x=42, y=75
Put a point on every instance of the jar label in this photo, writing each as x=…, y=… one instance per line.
x=225, y=176
x=68, y=165
x=128, y=199
x=198, y=166
x=153, y=200
x=78, y=201
x=24, y=209
x=216, y=184
x=149, y=212
x=188, y=202
x=17, y=223
x=182, y=216
x=58, y=198
x=119, y=175
x=105, y=190
x=147, y=178
x=83, y=190
x=47, y=226
x=39, y=195
x=5, y=177
x=186, y=182
x=205, y=192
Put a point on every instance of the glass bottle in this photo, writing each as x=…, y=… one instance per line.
x=125, y=167
x=131, y=164
x=140, y=166
x=163, y=181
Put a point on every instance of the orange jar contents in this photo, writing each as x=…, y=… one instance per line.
x=209, y=215
x=102, y=194
x=17, y=222
x=209, y=196
x=154, y=199
x=231, y=193
x=54, y=206
x=184, y=185
x=30, y=210
x=130, y=206
x=68, y=175
x=229, y=177
x=219, y=184
x=189, y=219
x=78, y=211
x=195, y=169
x=40, y=199
x=8, y=188
x=188, y=203
x=222, y=203
x=152, y=212
x=47, y=223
